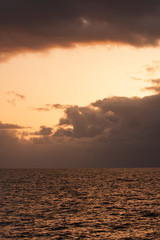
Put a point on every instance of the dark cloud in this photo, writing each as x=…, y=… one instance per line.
x=42, y=153
x=42, y=24
x=113, y=132
x=85, y=121
x=113, y=119
x=7, y=126
x=44, y=131
x=138, y=119
x=61, y=132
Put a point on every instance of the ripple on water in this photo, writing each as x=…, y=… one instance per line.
x=80, y=204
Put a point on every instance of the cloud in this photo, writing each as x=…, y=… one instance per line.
x=37, y=25
x=41, y=109
x=152, y=71
x=138, y=119
x=50, y=107
x=85, y=122
x=44, y=131
x=17, y=95
x=113, y=132
x=113, y=119
x=8, y=126
x=155, y=87
x=153, y=68
x=12, y=102
x=14, y=97
x=136, y=79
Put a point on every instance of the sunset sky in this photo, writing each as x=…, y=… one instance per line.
x=80, y=83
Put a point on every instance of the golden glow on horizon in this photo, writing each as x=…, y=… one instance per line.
x=71, y=76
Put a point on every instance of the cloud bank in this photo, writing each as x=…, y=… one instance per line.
x=42, y=24
x=113, y=132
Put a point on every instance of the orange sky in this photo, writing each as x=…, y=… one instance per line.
x=78, y=75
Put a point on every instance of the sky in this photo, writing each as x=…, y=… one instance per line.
x=80, y=83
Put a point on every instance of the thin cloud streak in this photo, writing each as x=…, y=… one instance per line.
x=8, y=126
x=15, y=97
x=50, y=107
x=155, y=85
x=152, y=71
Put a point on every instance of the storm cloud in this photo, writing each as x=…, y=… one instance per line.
x=43, y=24
x=113, y=132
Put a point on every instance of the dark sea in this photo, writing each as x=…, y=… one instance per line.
x=80, y=204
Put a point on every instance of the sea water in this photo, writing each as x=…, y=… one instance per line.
x=80, y=204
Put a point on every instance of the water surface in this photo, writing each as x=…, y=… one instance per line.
x=80, y=204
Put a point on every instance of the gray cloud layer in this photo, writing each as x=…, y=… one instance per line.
x=113, y=132
x=41, y=24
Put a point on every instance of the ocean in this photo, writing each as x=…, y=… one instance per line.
x=80, y=204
